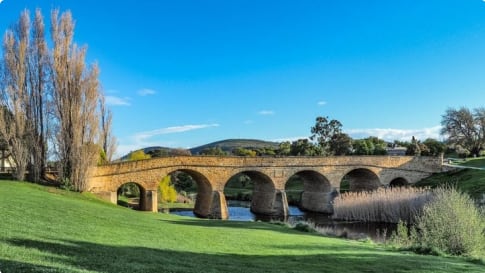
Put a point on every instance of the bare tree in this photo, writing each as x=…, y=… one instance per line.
x=50, y=97
x=465, y=128
x=107, y=141
x=39, y=88
x=75, y=95
x=13, y=118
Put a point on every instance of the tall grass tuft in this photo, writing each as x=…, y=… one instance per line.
x=388, y=205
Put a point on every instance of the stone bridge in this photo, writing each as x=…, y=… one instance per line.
x=321, y=178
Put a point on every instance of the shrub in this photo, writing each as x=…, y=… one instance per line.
x=305, y=227
x=452, y=223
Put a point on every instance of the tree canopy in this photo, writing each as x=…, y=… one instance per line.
x=327, y=132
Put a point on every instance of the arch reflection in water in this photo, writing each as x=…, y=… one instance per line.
x=240, y=211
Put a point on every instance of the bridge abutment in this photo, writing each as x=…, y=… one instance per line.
x=110, y=196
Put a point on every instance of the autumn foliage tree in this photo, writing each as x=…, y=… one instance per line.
x=168, y=194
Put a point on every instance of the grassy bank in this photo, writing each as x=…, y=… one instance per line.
x=48, y=230
x=471, y=181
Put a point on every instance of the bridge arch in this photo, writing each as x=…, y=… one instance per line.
x=204, y=199
x=399, y=182
x=265, y=199
x=360, y=179
x=315, y=195
x=131, y=194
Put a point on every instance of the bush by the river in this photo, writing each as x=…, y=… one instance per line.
x=450, y=223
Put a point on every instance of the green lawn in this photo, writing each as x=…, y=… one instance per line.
x=49, y=230
x=478, y=162
x=470, y=181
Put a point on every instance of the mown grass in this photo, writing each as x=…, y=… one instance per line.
x=49, y=230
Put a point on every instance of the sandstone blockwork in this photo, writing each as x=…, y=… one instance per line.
x=322, y=176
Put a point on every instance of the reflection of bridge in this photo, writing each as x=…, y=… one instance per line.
x=321, y=176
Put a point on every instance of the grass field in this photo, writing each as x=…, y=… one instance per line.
x=49, y=230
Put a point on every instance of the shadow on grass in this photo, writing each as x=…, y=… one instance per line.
x=276, y=226
x=76, y=256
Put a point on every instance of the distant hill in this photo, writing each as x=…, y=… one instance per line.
x=149, y=150
x=229, y=145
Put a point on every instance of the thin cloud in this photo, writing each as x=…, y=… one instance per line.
x=266, y=112
x=321, y=103
x=117, y=101
x=172, y=130
x=146, y=92
x=290, y=139
x=148, y=138
x=396, y=134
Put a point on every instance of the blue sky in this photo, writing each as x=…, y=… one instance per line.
x=186, y=73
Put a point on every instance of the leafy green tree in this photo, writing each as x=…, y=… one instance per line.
x=379, y=145
x=243, y=152
x=168, y=194
x=213, y=151
x=370, y=146
x=130, y=190
x=360, y=147
x=465, y=127
x=138, y=155
x=304, y=147
x=435, y=147
x=183, y=182
x=284, y=148
x=324, y=132
x=341, y=144
x=266, y=151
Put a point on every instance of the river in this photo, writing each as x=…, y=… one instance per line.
x=240, y=211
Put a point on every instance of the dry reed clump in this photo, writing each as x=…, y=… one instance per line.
x=389, y=205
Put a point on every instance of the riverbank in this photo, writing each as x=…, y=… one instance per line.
x=50, y=230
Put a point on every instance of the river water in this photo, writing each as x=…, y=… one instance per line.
x=240, y=211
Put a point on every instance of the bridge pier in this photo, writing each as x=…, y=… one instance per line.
x=272, y=203
x=211, y=205
x=218, y=208
x=317, y=201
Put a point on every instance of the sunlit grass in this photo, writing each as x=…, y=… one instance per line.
x=49, y=230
